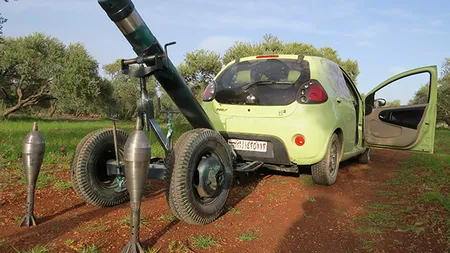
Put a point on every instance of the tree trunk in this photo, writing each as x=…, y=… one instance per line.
x=29, y=101
x=10, y=110
x=52, y=109
x=447, y=121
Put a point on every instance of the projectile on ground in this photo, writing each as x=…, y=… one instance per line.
x=33, y=149
x=136, y=161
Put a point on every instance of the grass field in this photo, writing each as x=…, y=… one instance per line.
x=63, y=135
x=416, y=199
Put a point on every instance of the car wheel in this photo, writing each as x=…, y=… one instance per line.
x=364, y=158
x=88, y=168
x=199, y=175
x=325, y=171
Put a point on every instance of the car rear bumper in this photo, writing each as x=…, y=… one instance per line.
x=276, y=150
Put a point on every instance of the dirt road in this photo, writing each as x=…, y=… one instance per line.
x=268, y=212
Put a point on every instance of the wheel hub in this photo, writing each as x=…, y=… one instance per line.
x=211, y=177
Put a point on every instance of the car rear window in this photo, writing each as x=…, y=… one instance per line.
x=277, y=81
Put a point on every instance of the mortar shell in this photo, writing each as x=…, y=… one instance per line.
x=33, y=149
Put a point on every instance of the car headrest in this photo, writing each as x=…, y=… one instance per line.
x=243, y=76
x=293, y=75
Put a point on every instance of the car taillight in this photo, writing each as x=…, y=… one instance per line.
x=209, y=92
x=312, y=92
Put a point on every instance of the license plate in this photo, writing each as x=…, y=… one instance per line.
x=257, y=146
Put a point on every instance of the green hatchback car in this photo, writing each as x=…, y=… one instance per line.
x=286, y=111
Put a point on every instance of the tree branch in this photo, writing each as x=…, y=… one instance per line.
x=34, y=99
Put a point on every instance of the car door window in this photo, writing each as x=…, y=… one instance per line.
x=352, y=93
x=407, y=91
x=337, y=79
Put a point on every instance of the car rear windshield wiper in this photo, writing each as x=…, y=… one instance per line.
x=247, y=86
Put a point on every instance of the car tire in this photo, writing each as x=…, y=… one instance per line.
x=169, y=163
x=364, y=158
x=325, y=171
x=182, y=196
x=88, y=168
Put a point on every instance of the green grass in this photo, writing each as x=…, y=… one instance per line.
x=63, y=185
x=177, y=246
x=126, y=220
x=379, y=206
x=62, y=136
x=388, y=194
x=90, y=248
x=97, y=226
x=439, y=197
x=69, y=241
x=250, y=236
x=203, y=242
x=423, y=179
x=311, y=199
x=153, y=250
x=306, y=180
x=271, y=196
x=379, y=219
x=168, y=217
x=35, y=249
x=412, y=228
x=281, y=181
x=369, y=230
x=234, y=210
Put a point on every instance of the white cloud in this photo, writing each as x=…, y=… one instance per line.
x=397, y=69
x=219, y=43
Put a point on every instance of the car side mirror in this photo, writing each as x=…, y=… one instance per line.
x=379, y=102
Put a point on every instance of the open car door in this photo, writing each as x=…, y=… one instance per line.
x=405, y=127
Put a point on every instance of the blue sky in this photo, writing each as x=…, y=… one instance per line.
x=385, y=37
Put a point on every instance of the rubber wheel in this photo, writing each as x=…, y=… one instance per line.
x=88, y=168
x=169, y=163
x=325, y=171
x=364, y=158
x=181, y=174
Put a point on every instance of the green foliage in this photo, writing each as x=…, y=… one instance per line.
x=198, y=69
x=272, y=45
x=393, y=103
x=125, y=93
x=27, y=68
x=443, y=101
x=79, y=84
x=38, y=70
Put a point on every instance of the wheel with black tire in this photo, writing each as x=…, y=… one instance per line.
x=364, y=158
x=325, y=171
x=88, y=168
x=199, y=173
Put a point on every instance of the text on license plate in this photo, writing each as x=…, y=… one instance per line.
x=258, y=146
